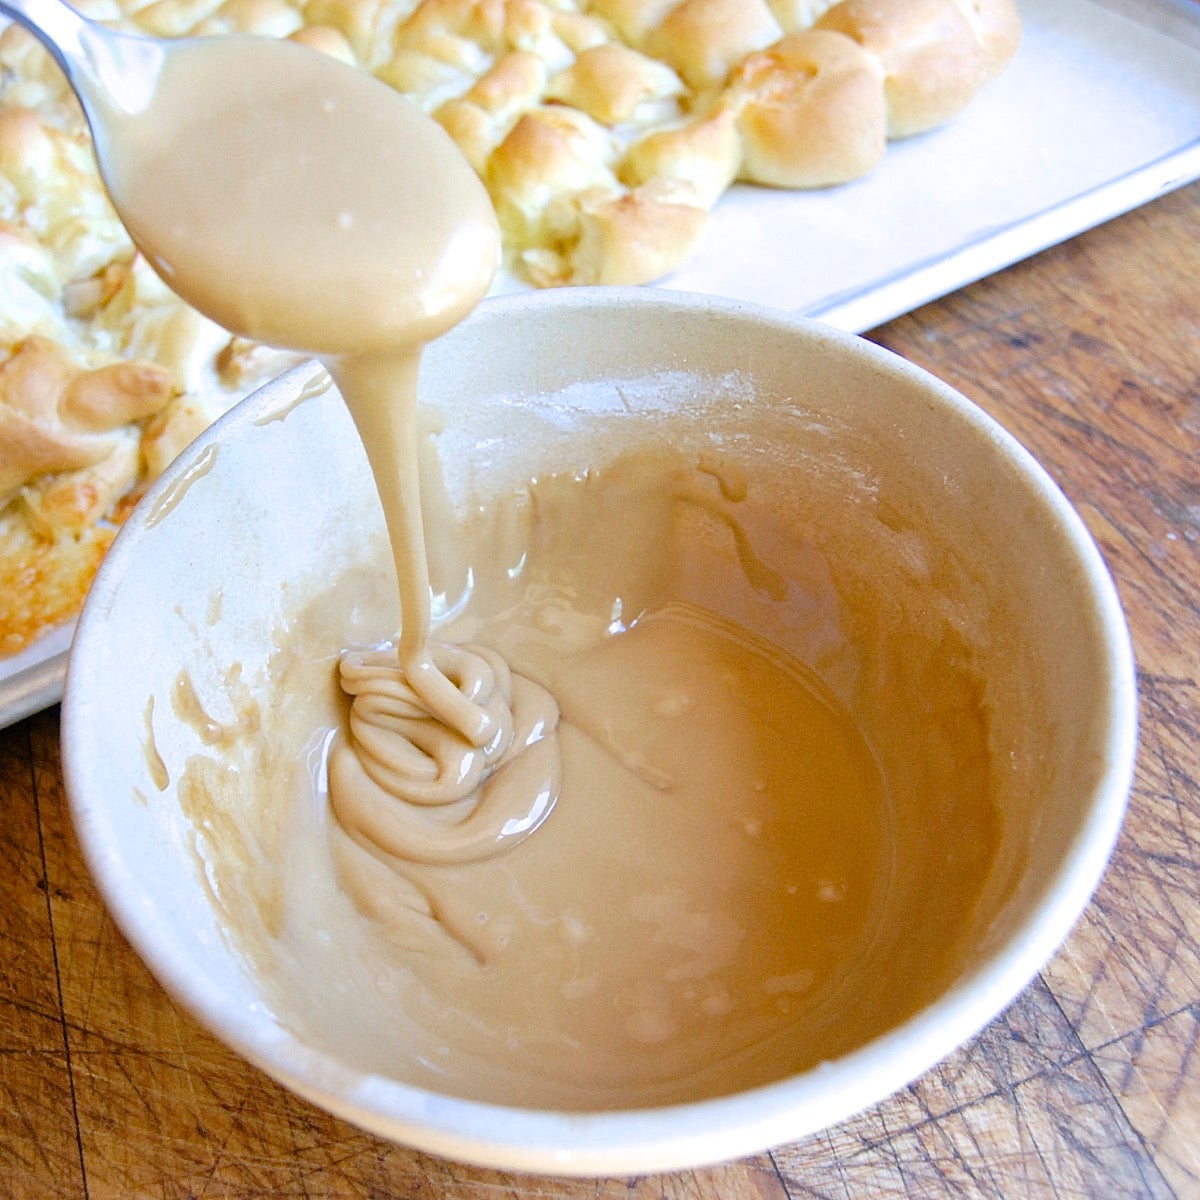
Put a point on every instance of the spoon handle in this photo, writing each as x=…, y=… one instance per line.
x=55, y=24
x=107, y=68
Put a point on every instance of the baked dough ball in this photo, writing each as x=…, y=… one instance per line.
x=551, y=154
x=50, y=187
x=704, y=39
x=69, y=452
x=796, y=15
x=935, y=54
x=698, y=158
x=601, y=236
x=811, y=111
x=632, y=20
x=43, y=580
x=368, y=26
x=482, y=118
x=56, y=417
x=261, y=18
x=613, y=83
x=29, y=286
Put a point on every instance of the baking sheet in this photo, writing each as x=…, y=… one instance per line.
x=1098, y=113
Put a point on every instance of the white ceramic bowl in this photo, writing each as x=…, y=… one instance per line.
x=242, y=528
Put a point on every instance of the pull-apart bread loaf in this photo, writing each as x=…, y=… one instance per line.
x=605, y=131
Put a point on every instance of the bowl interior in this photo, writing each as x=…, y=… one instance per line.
x=947, y=565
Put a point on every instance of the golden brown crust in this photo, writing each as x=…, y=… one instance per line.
x=43, y=580
x=811, y=111
x=551, y=153
x=703, y=156
x=482, y=118
x=611, y=82
x=934, y=58
x=704, y=39
x=642, y=234
x=599, y=236
x=76, y=500
x=56, y=418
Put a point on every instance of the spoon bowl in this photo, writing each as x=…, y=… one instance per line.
x=287, y=196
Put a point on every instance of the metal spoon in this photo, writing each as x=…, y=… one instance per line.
x=270, y=185
x=105, y=68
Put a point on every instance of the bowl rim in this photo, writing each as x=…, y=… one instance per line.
x=678, y=1136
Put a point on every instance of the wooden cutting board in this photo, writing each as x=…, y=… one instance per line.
x=1088, y=1086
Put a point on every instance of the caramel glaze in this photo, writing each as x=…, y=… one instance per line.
x=712, y=847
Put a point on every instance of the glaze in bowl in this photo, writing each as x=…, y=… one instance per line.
x=271, y=503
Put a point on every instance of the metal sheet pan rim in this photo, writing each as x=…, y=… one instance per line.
x=860, y=310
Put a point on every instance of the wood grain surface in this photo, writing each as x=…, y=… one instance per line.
x=1088, y=1086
